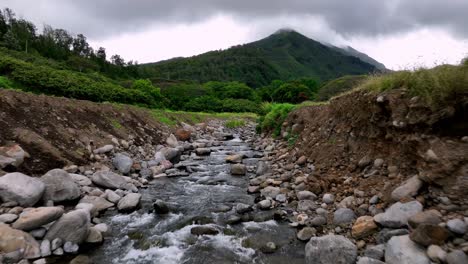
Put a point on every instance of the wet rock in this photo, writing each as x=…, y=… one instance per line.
x=385, y=234
x=243, y=208
x=45, y=248
x=374, y=199
x=281, y=198
x=375, y=252
x=330, y=249
x=72, y=226
x=432, y=217
x=100, y=204
x=171, y=154
x=60, y=186
x=183, y=134
x=172, y=142
x=8, y=218
x=400, y=249
x=269, y=248
x=457, y=226
x=21, y=189
x=102, y=228
x=104, y=149
x=94, y=236
x=58, y=252
x=408, y=189
x=129, y=203
x=264, y=205
x=37, y=217
x=426, y=235
x=6, y=161
x=364, y=227
x=56, y=243
x=253, y=189
x=110, y=180
x=457, y=257
x=122, y=163
x=436, y=254
x=306, y=233
x=233, y=219
x=306, y=195
x=234, y=158
x=238, y=169
x=17, y=242
x=203, y=151
x=38, y=233
x=270, y=192
x=366, y=260
x=262, y=168
x=70, y=247
x=398, y=214
x=204, y=230
x=343, y=216
x=80, y=179
x=81, y=259
x=160, y=207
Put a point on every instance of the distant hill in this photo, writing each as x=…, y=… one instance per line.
x=364, y=57
x=284, y=55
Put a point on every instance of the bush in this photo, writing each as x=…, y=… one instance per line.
x=234, y=123
x=338, y=86
x=292, y=93
x=273, y=116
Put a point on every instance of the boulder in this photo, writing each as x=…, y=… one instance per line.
x=306, y=195
x=457, y=257
x=328, y=198
x=104, y=149
x=203, y=151
x=366, y=260
x=436, y=254
x=243, y=208
x=306, y=233
x=81, y=259
x=15, y=154
x=306, y=205
x=330, y=249
x=264, y=205
x=183, y=134
x=408, y=189
x=262, y=168
x=343, y=216
x=60, y=186
x=37, y=217
x=270, y=192
x=234, y=158
x=110, y=180
x=301, y=161
x=112, y=197
x=100, y=204
x=375, y=251
x=70, y=247
x=160, y=207
x=171, y=141
x=457, y=226
x=81, y=180
x=8, y=218
x=72, y=227
x=122, y=163
x=398, y=214
x=45, y=248
x=94, y=236
x=364, y=227
x=426, y=234
x=6, y=161
x=22, y=189
x=171, y=154
x=13, y=241
x=238, y=169
x=431, y=217
x=400, y=249
x=129, y=202
x=204, y=230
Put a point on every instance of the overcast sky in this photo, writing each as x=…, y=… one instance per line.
x=398, y=33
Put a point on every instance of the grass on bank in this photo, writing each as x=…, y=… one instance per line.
x=172, y=118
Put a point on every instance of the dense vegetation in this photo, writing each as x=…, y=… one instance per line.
x=286, y=55
x=338, y=86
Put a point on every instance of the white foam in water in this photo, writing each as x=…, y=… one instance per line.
x=232, y=244
x=134, y=219
x=260, y=225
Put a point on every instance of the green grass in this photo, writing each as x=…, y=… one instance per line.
x=438, y=87
x=172, y=118
x=235, y=123
x=273, y=117
x=7, y=83
x=115, y=123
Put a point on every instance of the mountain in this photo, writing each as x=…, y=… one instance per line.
x=362, y=56
x=284, y=55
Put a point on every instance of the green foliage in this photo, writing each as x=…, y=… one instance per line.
x=338, y=86
x=234, y=90
x=235, y=123
x=291, y=93
x=273, y=116
x=438, y=86
x=291, y=139
x=6, y=83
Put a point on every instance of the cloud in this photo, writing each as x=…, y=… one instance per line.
x=102, y=18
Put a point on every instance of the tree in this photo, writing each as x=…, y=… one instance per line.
x=117, y=60
x=292, y=93
x=63, y=39
x=101, y=54
x=3, y=25
x=24, y=32
x=81, y=46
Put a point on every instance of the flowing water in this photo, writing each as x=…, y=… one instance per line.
x=207, y=196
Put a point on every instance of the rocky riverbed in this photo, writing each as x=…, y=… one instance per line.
x=214, y=195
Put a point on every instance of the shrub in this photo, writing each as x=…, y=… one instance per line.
x=234, y=123
x=338, y=86
x=273, y=117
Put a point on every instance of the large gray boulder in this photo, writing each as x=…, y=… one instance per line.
x=270, y=192
x=20, y=188
x=343, y=216
x=60, y=186
x=400, y=249
x=398, y=214
x=110, y=180
x=122, y=163
x=37, y=217
x=72, y=227
x=330, y=249
x=408, y=189
x=129, y=202
x=19, y=243
x=81, y=180
x=100, y=204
